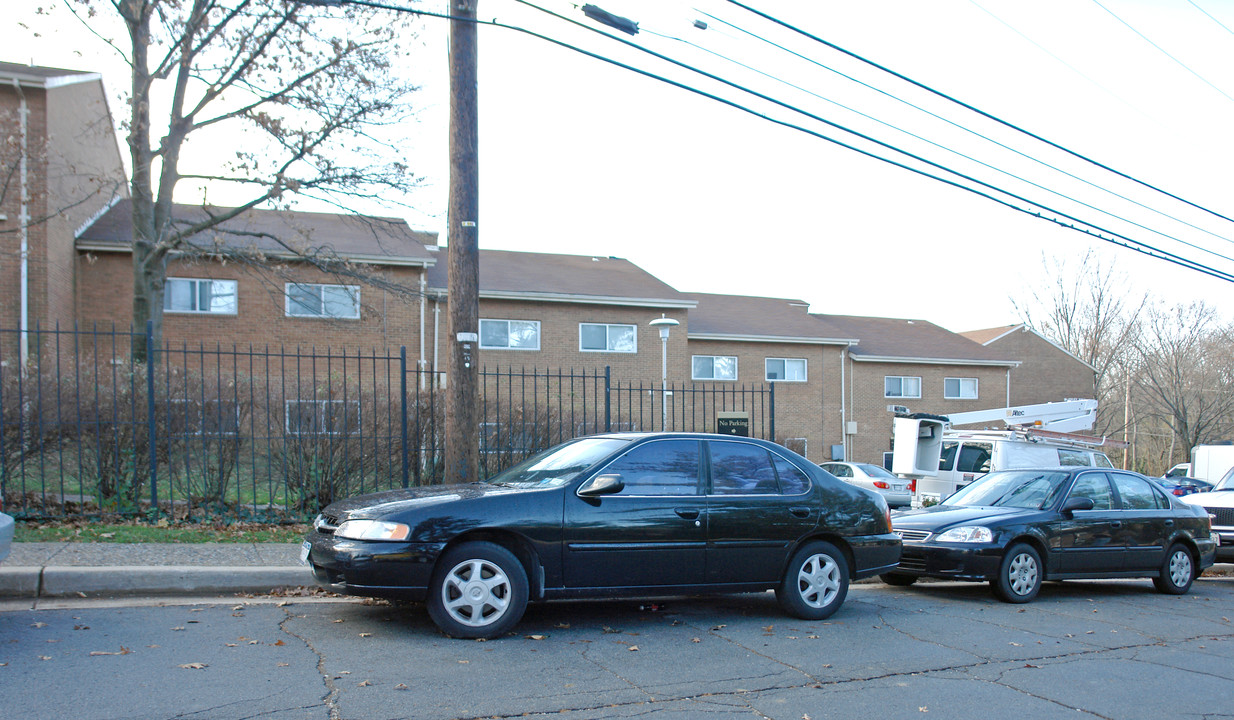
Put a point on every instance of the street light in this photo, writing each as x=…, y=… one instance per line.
x=665, y=324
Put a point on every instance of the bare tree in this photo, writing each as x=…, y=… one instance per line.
x=293, y=101
x=1185, y=373
x=1090, y=311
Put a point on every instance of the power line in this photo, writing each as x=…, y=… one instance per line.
x=961, y=103
x=1139, y=245
x=1210, y=17
x=965, y=129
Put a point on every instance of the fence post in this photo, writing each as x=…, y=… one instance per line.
x=151, y=424
x=608, y=406
x=402, y=365
x=772, y=402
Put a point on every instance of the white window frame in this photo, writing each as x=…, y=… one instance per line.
x=507, y=346
x=319, y=418
x=608, y=341
x=194, y=282
x=805, y=369
x=961, y=395
x=902, y=378
x=736, y=368
x=289, y=305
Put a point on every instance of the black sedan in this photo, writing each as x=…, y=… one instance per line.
x=1016, y=528
x=610, y=515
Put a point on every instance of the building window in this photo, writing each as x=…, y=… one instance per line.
x=895, y=386
x=960, y=388
x=186, y=295
x=786, y=369
x=322, y=417
x=601, y=337
x=713, y=367
x=325, y=301
x=510, y=334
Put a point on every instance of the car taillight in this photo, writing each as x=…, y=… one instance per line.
x=881, y=485
x=1179, y=491
x=912, y=486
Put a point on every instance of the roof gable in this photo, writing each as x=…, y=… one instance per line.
x=906, y=340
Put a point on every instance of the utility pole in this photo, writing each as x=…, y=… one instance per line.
x=462, y=403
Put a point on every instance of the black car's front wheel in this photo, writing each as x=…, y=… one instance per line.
x=1019, y=576
x=1177, y=571
x=815, y=583
x=478, y=591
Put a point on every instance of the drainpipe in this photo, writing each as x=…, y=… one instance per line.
x=436, y=332
x=844, y=405
x=1008, y=387
x=420, y=357
x=23, y=220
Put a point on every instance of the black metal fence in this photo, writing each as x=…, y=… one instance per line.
x=274, y=434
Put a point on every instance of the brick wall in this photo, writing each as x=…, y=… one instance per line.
x=1048, y=374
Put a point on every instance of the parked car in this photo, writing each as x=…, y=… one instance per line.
x=6, y=535
x=610, y=515
x=1219, y=504
x=1016, y=528
x=895, y=490
x=1180, y=486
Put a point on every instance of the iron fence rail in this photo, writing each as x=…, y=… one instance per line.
x=275, y=433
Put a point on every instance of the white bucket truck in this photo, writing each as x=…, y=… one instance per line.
x=940, y=460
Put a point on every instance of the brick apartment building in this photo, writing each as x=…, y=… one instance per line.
x=834, y=375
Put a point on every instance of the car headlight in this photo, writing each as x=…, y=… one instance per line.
x=372, y=530
x=967, y=534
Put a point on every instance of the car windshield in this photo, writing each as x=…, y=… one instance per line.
x=1032, y=489
x=558, y=465
x=1227, y=481
x=877, y=471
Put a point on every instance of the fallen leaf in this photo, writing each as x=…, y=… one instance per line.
x=39, y=625
x=464, y=662
x=197, y=610
x=284, y=664
x=608, y=630
x=44, y=657
x=280, y=643
x=364, y=683
x=339, y=620
x=238, y=607
x=562, y=626
x=1016, y=644
x=695, y=640
x=231, y=644
x=122, y=651
x=1030, y=665
x=536, y=637
x=193, y=666
x=366, y=634
x=718, y=627
x=633, y=648
x=923, y=708
x=282, y=603
x=254, y=642
x=81, y=627
x=178, y=628
x=400, y=686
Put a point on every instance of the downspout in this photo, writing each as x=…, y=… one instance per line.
x=436, y=333
x=1008, y=387
x=844, y=405
x=23, y=219
x=420, y=357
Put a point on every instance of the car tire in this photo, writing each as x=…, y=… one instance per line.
x=1019, y=575
x=478, y=591
x=898, y=579
x=1177, y=571
x=815, y=583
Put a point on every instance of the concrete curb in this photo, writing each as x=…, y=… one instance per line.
x=70, y=581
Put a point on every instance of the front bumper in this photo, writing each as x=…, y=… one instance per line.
x=372, y=569
x=1225, y=549
x=956, y=562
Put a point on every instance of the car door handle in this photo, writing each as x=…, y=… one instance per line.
x=687, y=513
x=800, y=511
x=1116, y=524
x=1169, y=523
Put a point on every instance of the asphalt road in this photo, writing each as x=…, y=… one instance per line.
x=1105, y=649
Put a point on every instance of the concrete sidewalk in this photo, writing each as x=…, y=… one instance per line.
x=74, y=569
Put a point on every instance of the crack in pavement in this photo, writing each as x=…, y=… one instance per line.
x=333, y=691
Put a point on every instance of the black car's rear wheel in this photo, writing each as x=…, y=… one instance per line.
x=1019, y=576
x=898, y=579
x=1177, y=572
x=478, y=591
x=815, y=583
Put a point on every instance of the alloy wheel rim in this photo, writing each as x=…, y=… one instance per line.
x=1022, y=574
x=818, y=581
x=1180, y=568
x=476, y=593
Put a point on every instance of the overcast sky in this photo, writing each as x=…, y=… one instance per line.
x=581, y=157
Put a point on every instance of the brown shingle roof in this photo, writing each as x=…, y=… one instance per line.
x=280, y=233
x=900, y=339
x=984, y=336
x=544, y=276
x=755, y=318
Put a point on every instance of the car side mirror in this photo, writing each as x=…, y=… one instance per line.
x=1077, y=503
x=602, y=485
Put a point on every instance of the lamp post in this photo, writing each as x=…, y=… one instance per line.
x=665, y=324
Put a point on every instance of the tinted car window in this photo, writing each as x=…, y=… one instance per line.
x=876, y=471
x=1095, y=487
x=666, y=467
x=839, y=471
x=1012, y=488
x=1137, y=494
x=1072, y=457
x=558, y=466
x=975, y=457
x=741, y=469
x=792, y=480
x=1100, y=460
x=947, y=458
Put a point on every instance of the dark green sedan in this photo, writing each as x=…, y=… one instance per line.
x=611, y=515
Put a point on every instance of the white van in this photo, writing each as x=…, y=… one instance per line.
x=967, y=455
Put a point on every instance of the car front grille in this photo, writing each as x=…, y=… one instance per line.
x=912, y=535
x=325, y=524
x=1224, y=516
x=907, y=562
